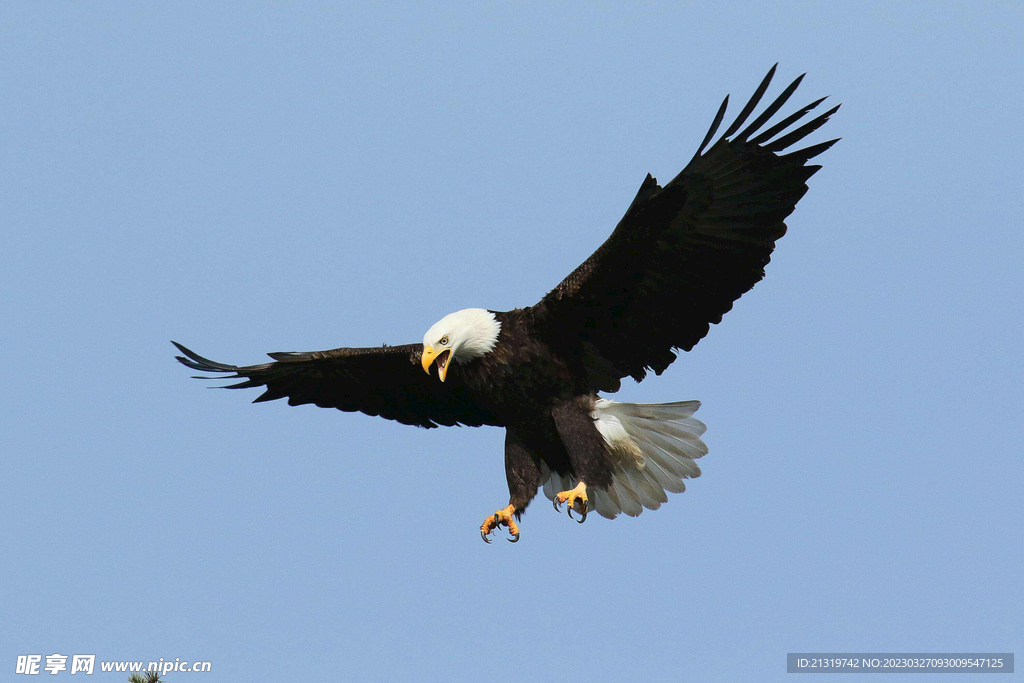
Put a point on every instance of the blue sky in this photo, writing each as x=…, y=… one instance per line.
x=247, y=177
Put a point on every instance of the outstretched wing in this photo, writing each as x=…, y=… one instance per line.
x=683, y=253
x=387, y=381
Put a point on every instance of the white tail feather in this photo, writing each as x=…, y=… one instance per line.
x=653, y=445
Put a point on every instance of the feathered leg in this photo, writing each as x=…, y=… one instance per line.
x=588, y=454
x=522, y=470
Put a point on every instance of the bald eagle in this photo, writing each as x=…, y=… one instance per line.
x=675, y=263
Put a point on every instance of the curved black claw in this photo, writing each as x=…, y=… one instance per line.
x=514, y=539
x=484, y=536
x=583, y=518
x=554, y=504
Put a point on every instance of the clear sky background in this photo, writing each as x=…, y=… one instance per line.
x=247, y=177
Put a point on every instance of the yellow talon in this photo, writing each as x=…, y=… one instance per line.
x=499, y=518
x=578, y=494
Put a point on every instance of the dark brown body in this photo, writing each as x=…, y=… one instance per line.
x=546, y=411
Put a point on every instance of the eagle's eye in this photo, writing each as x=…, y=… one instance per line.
x=444, y=340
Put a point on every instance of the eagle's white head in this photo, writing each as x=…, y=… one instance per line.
x=460, y=336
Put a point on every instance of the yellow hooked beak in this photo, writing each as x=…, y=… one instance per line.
x=429, y=356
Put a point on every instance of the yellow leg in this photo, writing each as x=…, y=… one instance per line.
x=499, y=518
x=575, y=497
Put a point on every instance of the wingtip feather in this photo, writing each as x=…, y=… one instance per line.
x=786, y=122
x=752, y=103
x=801, y=132
x=196, y=362
x=770, y=109
x=714, y=127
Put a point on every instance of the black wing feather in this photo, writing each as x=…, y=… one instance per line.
x=386, y=380
x=754, y=100
x=786, y=122
x=770, y=111
x=800, y=133
x=684, y=253
x=713, y=129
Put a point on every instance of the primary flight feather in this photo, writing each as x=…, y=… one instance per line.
x=674, y=265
